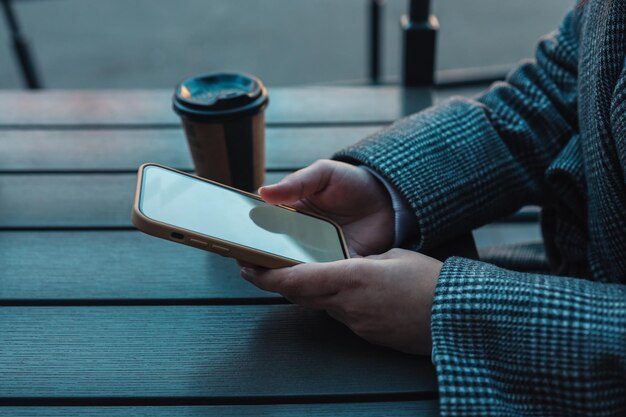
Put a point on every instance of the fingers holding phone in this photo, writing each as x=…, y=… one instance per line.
x=179, y=207
x=344, y=193
x=385, y=299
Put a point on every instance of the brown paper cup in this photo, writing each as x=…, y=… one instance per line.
x=223, y=118
x=232, y=153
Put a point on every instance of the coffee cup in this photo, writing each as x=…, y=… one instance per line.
x=224, y=122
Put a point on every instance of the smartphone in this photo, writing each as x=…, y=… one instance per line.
x=197, y=212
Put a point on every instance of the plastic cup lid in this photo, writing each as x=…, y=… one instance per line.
x=219, y=94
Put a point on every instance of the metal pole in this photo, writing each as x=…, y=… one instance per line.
x=419, y=30
x=376, y=14
x=21, y=48
x=419, y=10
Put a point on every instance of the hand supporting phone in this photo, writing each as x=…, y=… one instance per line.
x=186, y=209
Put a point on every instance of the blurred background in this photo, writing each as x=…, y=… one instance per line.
x=154, y=43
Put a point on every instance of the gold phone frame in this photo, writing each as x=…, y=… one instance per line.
x=210, y=243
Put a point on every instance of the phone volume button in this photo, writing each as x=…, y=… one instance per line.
x=220, y=249
x=198, y=242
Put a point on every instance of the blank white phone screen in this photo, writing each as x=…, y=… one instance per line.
x=188, y=203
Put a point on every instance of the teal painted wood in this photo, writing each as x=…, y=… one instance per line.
x=374, y=409
x=288, y=105
x=71, y=200
x=273, y=351
x=116, y=267
x=125, y=149
x=40, y=201
x=227, y=350
x=497, y=234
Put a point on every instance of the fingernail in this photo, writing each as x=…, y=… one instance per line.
x=246, y=272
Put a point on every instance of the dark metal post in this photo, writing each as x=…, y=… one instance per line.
x=20, y=47
x=419, y=30
x=376, y=14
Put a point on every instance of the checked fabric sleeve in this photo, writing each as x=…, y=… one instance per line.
x=505, y=343
x=465, y=163
x=518, y=344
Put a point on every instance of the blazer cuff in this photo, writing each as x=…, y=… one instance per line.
x=425, y=159
x=406, y=224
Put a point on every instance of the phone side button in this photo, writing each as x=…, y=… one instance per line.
x=198, y=242
x=220, y=249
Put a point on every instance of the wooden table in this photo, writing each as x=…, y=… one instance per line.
x=97, y=318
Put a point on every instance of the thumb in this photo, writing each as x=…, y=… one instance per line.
x=300, y=184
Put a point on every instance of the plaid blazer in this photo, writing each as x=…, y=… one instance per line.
x=554, y=134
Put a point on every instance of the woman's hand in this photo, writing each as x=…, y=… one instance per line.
x=346, y=194
x=385, y=299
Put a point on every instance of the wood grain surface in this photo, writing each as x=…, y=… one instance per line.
x=102, y=150
x=98, y=318
x=116, y=267
x=217, y=352
x=41, y=201
x=288, y=106
x=369, y=409
x=44, y=201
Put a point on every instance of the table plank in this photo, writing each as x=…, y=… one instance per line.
x=226, y=350
x=124, y=150
x=71, y=200
x=116, y=267
x=79, y=200
x=202, y=352
x=369, y=409
x=288, y=105
x=498, y=234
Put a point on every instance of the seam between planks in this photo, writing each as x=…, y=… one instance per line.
x=131, y=302
x=177, y=401
x=148, y=126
